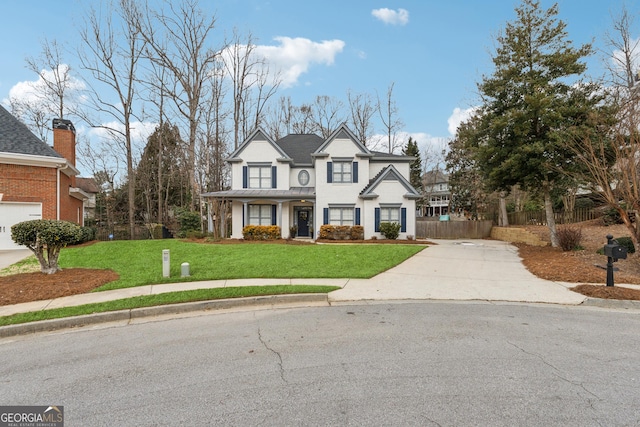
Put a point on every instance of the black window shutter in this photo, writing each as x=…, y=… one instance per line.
x=245, y=176
x=274, y=213
x=357, y=216
x=403, y=220
x=325, y=216
x=329, y=173
x=377, y=219
x=274, y=177
x=354, y=171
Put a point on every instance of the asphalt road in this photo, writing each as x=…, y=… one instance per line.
x=422, y=363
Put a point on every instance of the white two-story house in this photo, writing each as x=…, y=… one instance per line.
x=306, y=181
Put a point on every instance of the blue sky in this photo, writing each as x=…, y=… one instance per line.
x=433, y=51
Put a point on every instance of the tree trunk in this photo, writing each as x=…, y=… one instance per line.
x=551, y=222
x=503, y=219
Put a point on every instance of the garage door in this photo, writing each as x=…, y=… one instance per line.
x=13, y=213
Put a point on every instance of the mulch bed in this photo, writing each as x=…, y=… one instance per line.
x=26, y=287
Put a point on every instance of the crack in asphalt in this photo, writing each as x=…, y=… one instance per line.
x=557, y=374
x=278, y=355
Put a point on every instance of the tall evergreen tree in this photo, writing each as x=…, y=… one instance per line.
x=415, y=168
x=162, y=175
x=531, y=102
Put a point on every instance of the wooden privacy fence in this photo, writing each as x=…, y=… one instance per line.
x=540, y=218
x=453, y=229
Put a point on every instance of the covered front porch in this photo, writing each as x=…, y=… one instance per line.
x=292, y=210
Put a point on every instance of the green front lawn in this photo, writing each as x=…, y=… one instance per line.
x=161, y=299
x=140, y=262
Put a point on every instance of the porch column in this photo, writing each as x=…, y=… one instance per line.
x=209, y=217
x=313, y=223
x=280, y=217
x=245, y=213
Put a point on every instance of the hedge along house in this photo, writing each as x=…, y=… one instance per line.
x=37, y=181
x=305, y=181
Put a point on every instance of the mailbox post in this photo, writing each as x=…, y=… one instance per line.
x=614, y=252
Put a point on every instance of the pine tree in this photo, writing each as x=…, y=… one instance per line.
x=531, y=102
x=415, y=168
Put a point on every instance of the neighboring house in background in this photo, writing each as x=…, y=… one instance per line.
x=306, y=181
x=91, y=188
x=437, y=194
x=37, y=181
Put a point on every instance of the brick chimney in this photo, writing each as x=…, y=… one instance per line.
x=64, y=141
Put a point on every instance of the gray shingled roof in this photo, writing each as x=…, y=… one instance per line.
x=16, y=138
x=299, y=147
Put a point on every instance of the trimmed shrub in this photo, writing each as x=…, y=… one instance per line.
x=188, y=221
x=390, y=230
x=341, y=232
x=87, y=234
x=46, y=236
x=569, y=237
x=261, y=232
x=357, y=232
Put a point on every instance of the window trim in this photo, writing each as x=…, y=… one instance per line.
x=261, y=207
x=264, y=181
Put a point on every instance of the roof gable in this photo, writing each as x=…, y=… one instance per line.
x=343, y=132
x=16, y=138
x=256, y=135
x=390, y=173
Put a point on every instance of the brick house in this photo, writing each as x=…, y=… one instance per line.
x=37, y=181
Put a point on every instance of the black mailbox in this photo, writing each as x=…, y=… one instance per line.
x=615, y=251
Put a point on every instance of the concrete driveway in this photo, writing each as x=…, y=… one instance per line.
x=487, y=270
x=11, y=256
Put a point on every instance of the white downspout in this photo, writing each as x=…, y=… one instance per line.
x=58, y=194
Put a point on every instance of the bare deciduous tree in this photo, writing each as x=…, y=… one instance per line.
x=362, y=109
x=179, y=38
x=610, y=154
x=327, y=115
x=49, y=93
x=112, y=58
x=388, y=111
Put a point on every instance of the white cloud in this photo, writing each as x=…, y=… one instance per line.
x=293, y=56
x=391, y=17
x=32, y=92
x=459, y=116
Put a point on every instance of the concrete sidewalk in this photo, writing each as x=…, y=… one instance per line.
x=486, y=270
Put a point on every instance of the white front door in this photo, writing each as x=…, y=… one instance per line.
x=12, y=213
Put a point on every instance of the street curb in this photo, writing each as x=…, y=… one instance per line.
x=138, y=313
x=611, y=303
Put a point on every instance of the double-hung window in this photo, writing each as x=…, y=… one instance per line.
x=390, y=214
x=260, y=214
x=342, y=172
x=260, y=176
x=341, y=216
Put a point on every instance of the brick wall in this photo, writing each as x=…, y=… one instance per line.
x=21, y=183
x=70, y=208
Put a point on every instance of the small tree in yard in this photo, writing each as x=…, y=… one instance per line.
x=46, y=235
